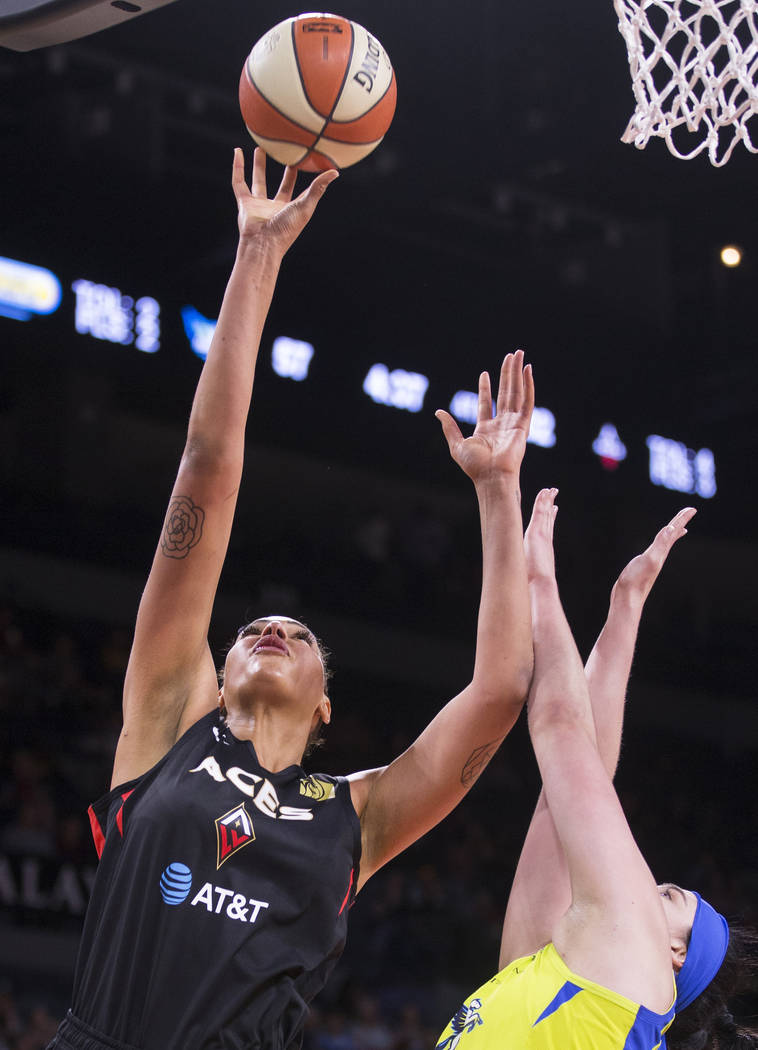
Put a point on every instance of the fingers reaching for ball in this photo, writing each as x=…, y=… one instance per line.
x=258, y=185
x=287, y=185
x=273, y=221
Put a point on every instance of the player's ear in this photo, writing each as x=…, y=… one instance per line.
x=221, y=704
x=678, y=952
x=325, y=709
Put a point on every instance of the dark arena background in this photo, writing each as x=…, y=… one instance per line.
x=501, y=211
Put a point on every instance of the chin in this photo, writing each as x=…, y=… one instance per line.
x=268, y=678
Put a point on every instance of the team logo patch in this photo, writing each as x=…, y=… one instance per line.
x=464, y=1022
x=233, y=831
x=318, y=790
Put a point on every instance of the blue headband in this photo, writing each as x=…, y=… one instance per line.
x=705, y=954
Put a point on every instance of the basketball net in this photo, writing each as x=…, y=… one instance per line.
x=694, y=66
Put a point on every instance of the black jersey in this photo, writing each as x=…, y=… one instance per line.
x=220, y=902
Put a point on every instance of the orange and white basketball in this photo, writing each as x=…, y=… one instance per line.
x=318, y=91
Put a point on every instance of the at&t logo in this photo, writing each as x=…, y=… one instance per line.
x=176, y=882
x=227, y=902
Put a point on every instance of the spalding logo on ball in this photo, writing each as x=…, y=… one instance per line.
x=318, y=91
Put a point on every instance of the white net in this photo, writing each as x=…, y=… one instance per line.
x=694, y=66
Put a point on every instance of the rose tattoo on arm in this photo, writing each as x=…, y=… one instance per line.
x=183, y=527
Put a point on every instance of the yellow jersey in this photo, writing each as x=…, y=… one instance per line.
x=537, y=1003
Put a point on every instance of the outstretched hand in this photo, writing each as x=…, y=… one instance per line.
x=538, y=538
x=641, y=573
x=276, y=221
x=498, y=442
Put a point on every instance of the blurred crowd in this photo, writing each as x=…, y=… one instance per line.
x=27, y=1028
x=425, y=931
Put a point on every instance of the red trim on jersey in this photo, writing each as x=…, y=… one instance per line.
x=347, y=895
x=97, y=831
x=120, y=814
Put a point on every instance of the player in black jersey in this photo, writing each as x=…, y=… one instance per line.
x=226, y=872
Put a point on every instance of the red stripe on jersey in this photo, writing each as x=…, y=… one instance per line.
x=347, y=895
x=97, y=831
x=120, y=814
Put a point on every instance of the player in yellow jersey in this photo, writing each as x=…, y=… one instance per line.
x=594, y=955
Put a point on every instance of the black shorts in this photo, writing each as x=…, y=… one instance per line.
x=74, y=1034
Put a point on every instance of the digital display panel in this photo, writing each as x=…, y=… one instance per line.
x=97, y=310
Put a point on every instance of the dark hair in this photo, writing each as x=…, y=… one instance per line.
x=316, y=738
x=707, y=1023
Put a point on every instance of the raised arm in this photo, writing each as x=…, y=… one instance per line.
x=614, y=930
x=541, y=890
x=610, y=661
x=171, y=680
x=401, y=802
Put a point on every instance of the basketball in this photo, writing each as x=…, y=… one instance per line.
x=317, y=91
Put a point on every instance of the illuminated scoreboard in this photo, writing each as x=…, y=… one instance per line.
x=99, y=311
x=105, y=313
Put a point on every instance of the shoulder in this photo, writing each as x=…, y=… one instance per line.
x=321, y=787
x=361, y=785
x=129, y=766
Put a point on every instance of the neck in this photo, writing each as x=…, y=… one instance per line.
x=279, y=740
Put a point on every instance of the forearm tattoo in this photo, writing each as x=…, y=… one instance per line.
x=183, y=527
x=476, y=762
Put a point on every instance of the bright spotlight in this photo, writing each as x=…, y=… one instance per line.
x=731, y=255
